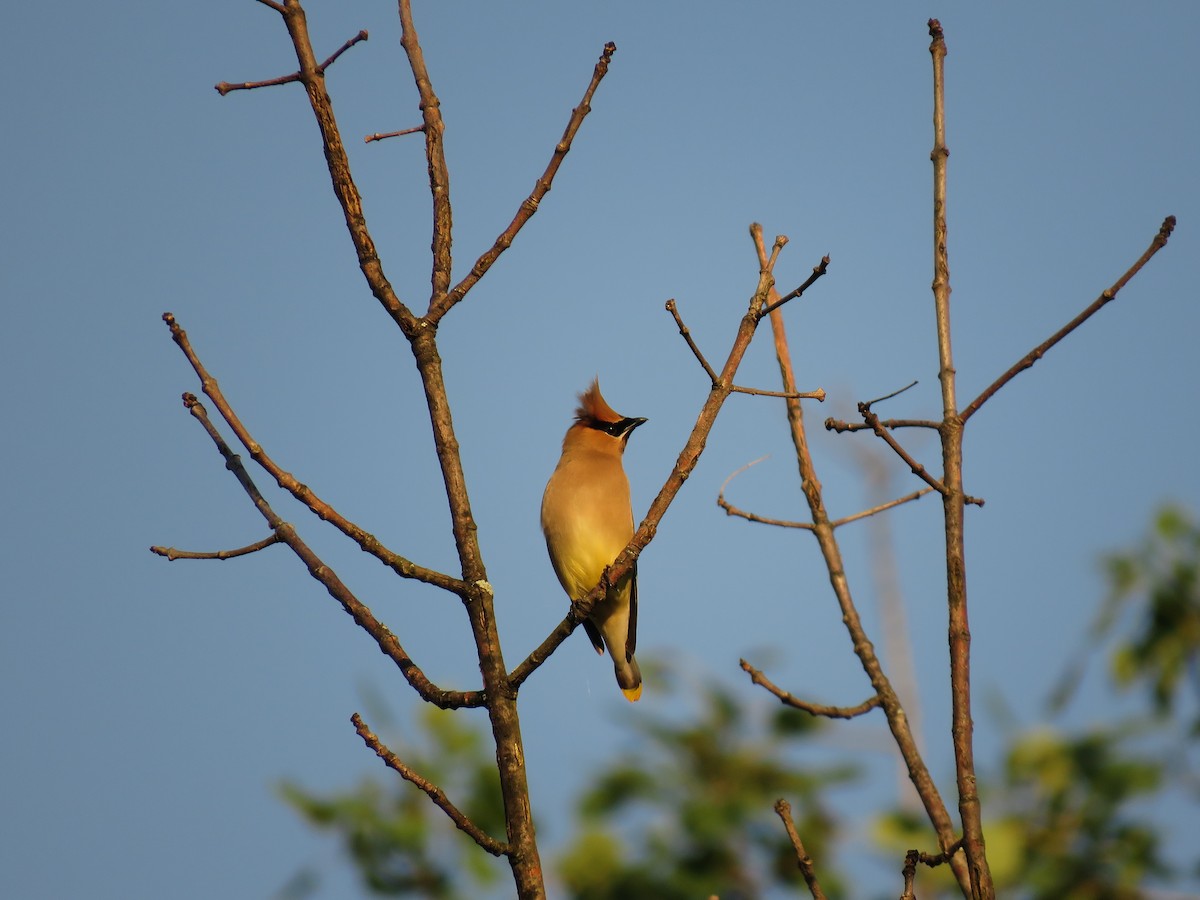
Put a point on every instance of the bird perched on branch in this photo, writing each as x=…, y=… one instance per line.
x=587, y=519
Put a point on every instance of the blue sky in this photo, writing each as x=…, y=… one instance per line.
x=149, y=707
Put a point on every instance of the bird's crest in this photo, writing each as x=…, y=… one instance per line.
x=592, y=407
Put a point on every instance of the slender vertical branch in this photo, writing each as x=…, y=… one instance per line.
x=823, y=530
x=439, y=173
x=953, y=503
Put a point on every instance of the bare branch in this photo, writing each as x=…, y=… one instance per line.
x=362, y=615
x=172, y=554
x=814, y=709
x=823, y=531
x=225, y=87
x=895, y=393
x=832, y=424
x=953, y=500
x=818, y=394
x=361, y=36
x=732, y=510
x=1027, y=361
x=435, y=155
x=340, y=176
x=530, y=205
x=391, y=134
x=278, y=7
x=368, y=542
x=435, y=793
x=883, y=507
x=919, y=470
x=817, y=272
x=687, y=336
x=784, y=810
x=912, y=857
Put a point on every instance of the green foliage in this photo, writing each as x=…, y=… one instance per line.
x=1067, y=809
x=1061, y=820
x=398, y=841
x=690, y=814
x=1072, y=797
x=1157, y=586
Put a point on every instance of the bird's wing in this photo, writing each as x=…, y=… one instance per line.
x=631, y=635
x=593, y=634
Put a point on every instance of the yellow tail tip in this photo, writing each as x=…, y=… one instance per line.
x=632, y=694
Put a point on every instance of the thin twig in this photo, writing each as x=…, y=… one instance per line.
x=883, y=507
x=895, y=393
x=529, y=206
x=387, y=642
x=1025, y=362
x=732, y=510
x=172, y=554
x=784, y=810
x=817, y=272
x=818, y=394
x=435, y=793
x=225, y=87
x=391, y=134
x=919, y=470
x=368, y=542
x=814, y=709
x=832, y=424
x=687, y=336
x=278, y=7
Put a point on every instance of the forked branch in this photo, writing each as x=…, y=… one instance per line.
x=225, y=87
x=367, y=542
x=362, y=615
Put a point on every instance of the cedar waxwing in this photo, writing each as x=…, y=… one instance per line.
x=588, y=520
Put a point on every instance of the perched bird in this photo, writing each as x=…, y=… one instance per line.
x=588, y=520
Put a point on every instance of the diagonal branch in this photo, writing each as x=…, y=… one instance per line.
x=388, y=643
x=1027, y=361
x=817, y=272
x=917, y=469
x=784, y=810
x=529, y=206
x=368, y=542
x=814, y=709
x=686, y=333
x=435, y=793
x=340, y=177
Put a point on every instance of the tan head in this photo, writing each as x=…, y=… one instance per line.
x=598, y=425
